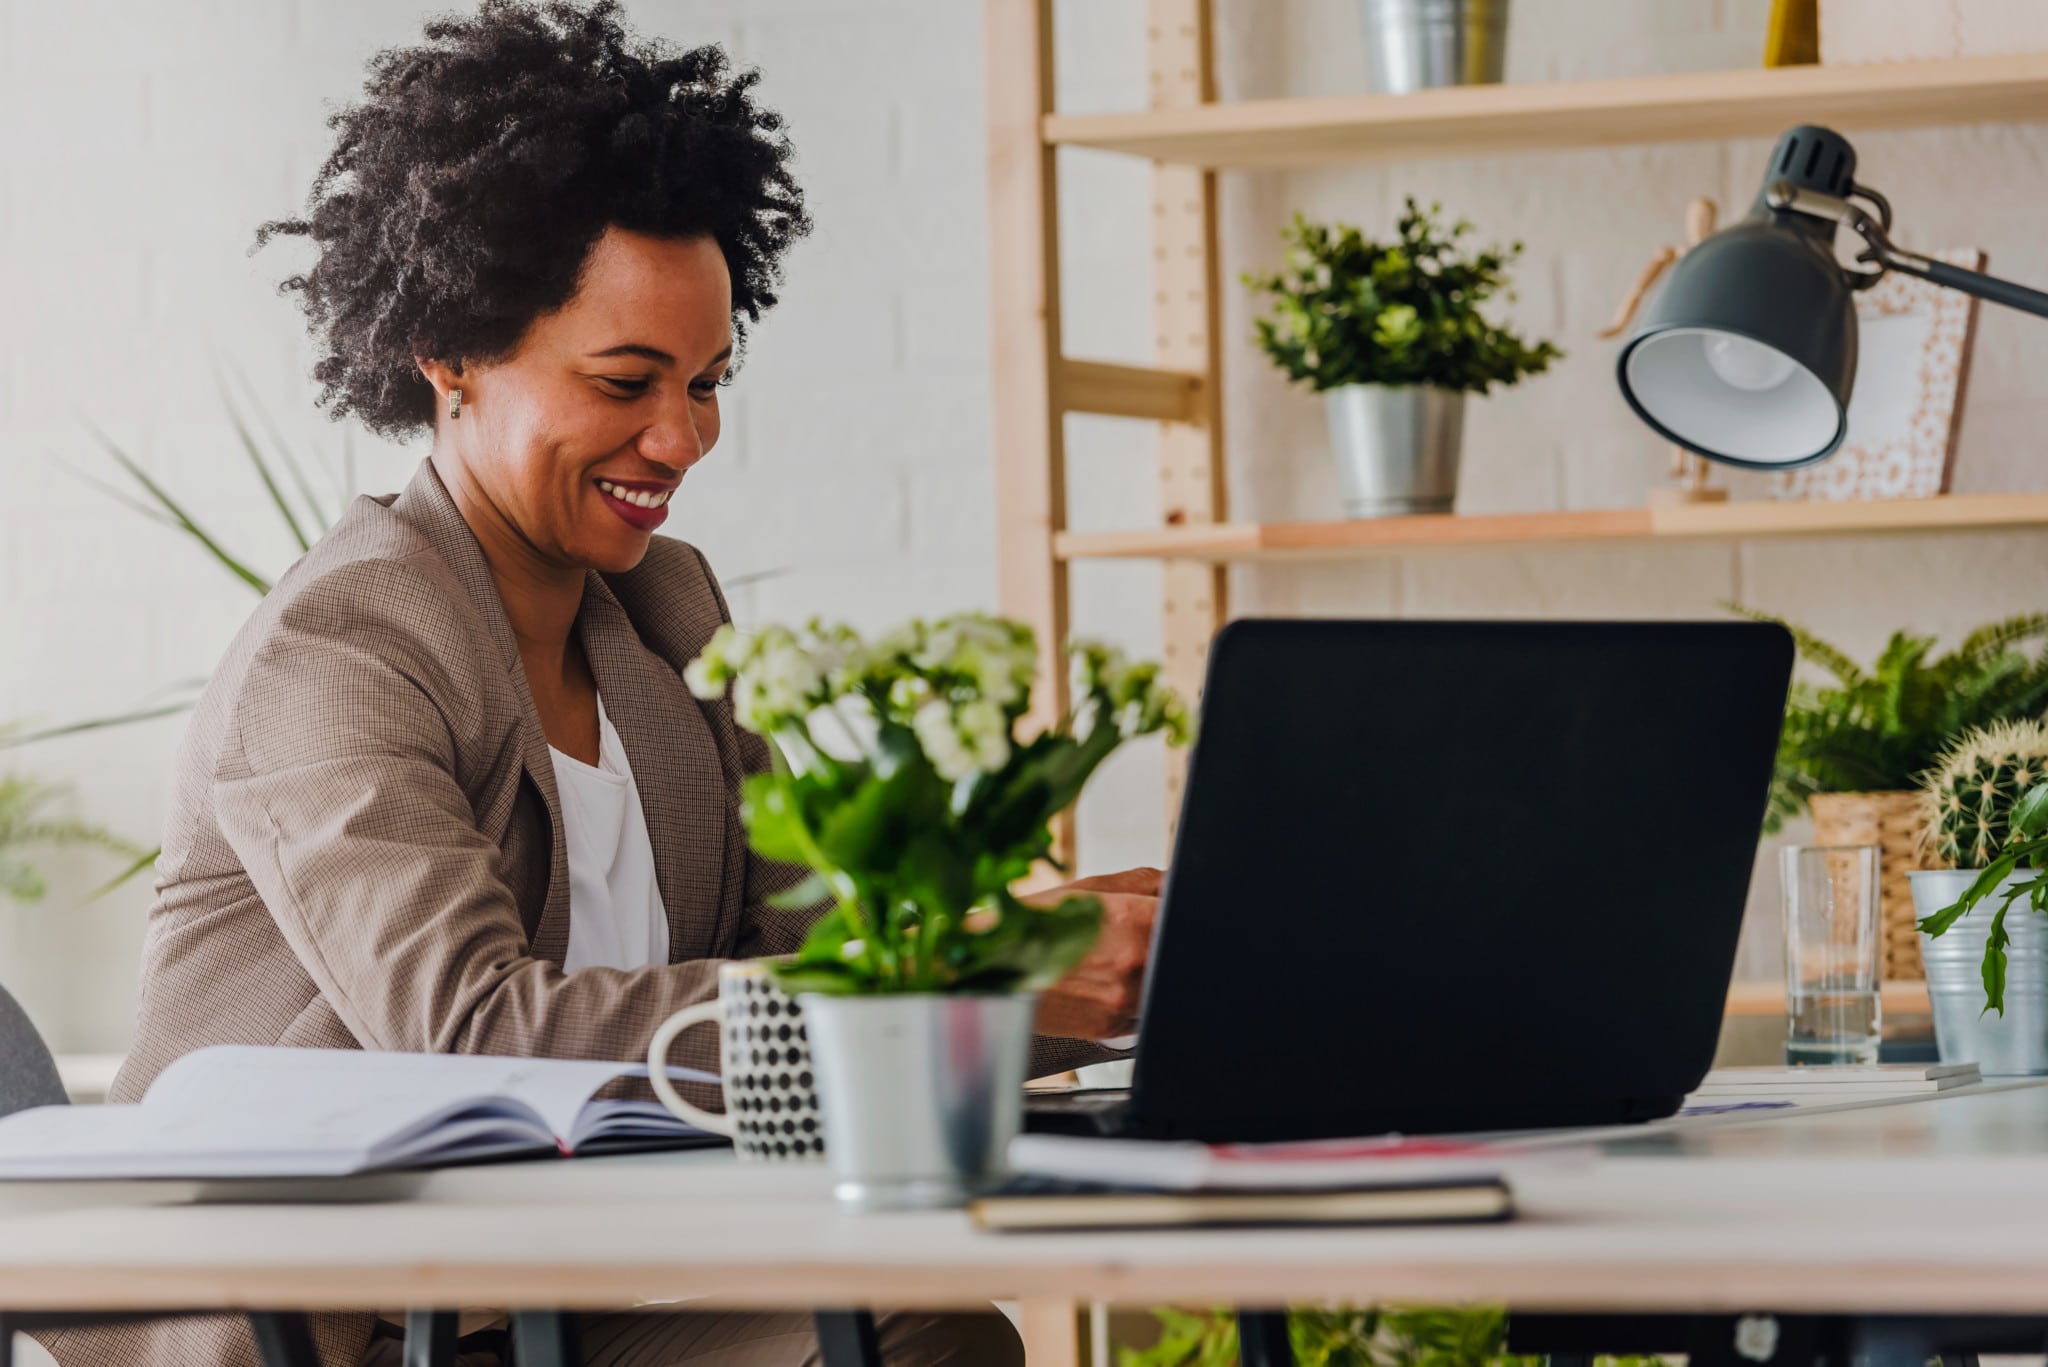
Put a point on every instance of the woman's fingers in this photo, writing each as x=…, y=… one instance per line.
x=1141, y=880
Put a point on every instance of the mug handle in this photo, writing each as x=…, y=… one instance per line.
x=657, y=1069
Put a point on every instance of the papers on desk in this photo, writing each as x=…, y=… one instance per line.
x=1740, y=1091
x=241, y=1111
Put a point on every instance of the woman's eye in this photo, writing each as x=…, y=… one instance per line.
x=625, y=384
x=705, y=389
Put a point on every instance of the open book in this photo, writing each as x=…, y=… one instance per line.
x=243, y=1111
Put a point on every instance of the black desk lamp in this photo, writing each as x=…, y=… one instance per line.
x=1747, y=353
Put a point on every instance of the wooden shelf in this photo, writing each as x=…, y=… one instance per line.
x=1478, y=120
x=1450, y=531
x=1903, y=998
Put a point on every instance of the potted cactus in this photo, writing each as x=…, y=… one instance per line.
x=1857, y=740
x=1985, y=814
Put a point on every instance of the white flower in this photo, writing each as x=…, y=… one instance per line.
x=986, y=729
x=706, y=675
x=786, y=675
x=940, y=739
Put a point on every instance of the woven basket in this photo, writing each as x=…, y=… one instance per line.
x=1891, y=822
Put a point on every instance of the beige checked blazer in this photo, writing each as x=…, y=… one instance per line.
x=364, y=847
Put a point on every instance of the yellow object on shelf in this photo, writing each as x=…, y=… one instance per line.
x=1793, y=38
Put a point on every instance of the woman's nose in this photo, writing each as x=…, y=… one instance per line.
x=676, y=439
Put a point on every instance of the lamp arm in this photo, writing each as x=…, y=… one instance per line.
x=1787, y=197
x=1969, y=282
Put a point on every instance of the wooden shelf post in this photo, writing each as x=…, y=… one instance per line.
x=1179, y=51
x=1024, y=309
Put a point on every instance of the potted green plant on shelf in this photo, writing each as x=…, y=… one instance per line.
x=900, y=782
x=1856, y=743
x=1985, y=809
x=1392, y=335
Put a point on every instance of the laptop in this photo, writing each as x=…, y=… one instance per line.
x=1451, y=876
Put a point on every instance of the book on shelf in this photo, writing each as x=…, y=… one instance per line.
x=236, y=1111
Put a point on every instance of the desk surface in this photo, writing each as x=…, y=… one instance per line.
x=1936, y=1206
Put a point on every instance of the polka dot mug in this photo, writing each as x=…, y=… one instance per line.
x=771, y=1105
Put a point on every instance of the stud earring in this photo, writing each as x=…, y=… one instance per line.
x=454, y=403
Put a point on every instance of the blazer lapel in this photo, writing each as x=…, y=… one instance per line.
x=427, y=504
x=675, y=767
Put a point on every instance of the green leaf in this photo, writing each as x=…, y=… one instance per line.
x=805, y=895
x=1983, y=886
x=180, y=516
x=249, y=447
x=1994, y=962
x=774, y=825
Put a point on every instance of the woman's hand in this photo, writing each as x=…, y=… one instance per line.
x=1098, y=999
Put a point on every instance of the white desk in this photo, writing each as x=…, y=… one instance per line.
x=1937, y=1207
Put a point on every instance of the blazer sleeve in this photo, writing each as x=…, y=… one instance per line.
x=340, y=792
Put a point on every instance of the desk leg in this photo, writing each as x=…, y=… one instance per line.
x=283, y=1339
x=1262, y=1338
x=430, y=1338
x=846, y=1338
x=546, y=1338
x=1052, y=1331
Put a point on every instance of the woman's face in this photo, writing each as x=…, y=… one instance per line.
x=574, y=444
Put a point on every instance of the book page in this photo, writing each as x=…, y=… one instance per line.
x=356, y=1091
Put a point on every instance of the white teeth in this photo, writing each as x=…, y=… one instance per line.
x=638, y=497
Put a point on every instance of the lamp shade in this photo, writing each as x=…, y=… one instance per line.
x=1747, y=352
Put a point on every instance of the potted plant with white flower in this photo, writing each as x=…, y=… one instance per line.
x=900, y=782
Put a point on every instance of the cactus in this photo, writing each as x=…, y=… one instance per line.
x=1967, y=798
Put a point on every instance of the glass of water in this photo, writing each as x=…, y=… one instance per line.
x=1831, y=953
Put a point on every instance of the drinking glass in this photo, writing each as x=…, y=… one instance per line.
x=1831, y=953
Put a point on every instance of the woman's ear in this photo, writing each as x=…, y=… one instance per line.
x=442, y=376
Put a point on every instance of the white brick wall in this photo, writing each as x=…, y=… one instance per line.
x=142, y=140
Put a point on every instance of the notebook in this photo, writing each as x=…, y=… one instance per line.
x=1047, y=1204
x=1322, y=1165
x=244, y=1111
x=1874, y=1079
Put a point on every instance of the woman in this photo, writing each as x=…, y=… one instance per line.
x=542, y=241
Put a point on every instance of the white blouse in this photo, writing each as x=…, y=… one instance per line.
x=616, y=919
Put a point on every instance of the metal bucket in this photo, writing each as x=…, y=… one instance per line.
x=921, y=1094
x=1416, y=44
x=2017, y=1042
x=1396, y=447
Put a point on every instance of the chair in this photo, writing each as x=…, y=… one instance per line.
x=28, y=1077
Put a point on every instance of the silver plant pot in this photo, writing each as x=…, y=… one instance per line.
x=1396, y=446
x=921, y=1094
x=2017, y=1042
x=1416, y=44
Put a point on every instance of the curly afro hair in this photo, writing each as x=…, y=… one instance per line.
x=465, y=191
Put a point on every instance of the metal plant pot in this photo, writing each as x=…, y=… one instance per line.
x=1416, y=44
x=921, y=1094
x=2017, y=1042
x=1396, y=447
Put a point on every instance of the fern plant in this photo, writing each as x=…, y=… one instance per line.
x=28, y=822
x=1879, y=729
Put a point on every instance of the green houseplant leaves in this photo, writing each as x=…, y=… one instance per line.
x=1348, y=310
x=900, y=783
x=1879, y=729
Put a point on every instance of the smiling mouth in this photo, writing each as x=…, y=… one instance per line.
x=643, y=498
